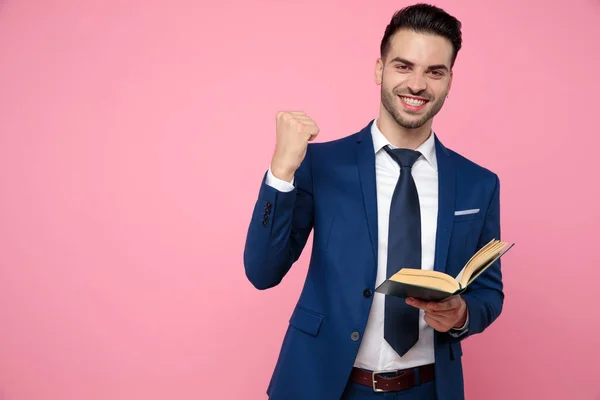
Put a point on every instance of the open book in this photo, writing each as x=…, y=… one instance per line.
x=434, y=285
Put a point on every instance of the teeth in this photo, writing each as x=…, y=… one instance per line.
x=412, y=102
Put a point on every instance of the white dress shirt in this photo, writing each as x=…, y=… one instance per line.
x=375, y=353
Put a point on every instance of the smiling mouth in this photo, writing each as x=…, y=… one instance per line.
x=411, y=101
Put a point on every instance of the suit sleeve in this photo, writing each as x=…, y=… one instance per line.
x=485, y=296
x=279, y=228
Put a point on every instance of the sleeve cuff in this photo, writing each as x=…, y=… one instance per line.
x=456, y=332
x=277, y=183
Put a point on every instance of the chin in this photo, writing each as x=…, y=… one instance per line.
x=412, y=126
x=410, y=123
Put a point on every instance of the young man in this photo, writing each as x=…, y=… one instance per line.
x=386, y=197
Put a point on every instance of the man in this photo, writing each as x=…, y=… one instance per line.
x=386, y=197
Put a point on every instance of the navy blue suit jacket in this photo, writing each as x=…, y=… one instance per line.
x=335, y=195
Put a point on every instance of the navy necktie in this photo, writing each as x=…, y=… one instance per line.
x=401, y=326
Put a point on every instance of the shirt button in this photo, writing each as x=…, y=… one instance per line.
x=355, y=336
x=367, y=293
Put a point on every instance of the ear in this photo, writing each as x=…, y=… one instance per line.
x=379, y=71
x=450, y=82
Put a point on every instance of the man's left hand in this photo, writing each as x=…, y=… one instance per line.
x=444, y=315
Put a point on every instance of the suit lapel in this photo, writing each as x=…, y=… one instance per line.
x=446, y=203
x=365, y=161
x=365, y=158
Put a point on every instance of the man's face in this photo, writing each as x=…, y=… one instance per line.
x=416, y=77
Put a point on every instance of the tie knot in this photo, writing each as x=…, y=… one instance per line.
x=404, y=157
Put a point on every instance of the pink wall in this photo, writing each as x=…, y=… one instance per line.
x=133, y=136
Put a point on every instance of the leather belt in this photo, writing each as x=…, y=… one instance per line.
x=387, y=381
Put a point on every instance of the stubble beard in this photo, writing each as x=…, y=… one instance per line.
x=389, y=100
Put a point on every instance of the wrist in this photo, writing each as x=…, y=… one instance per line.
x=463, y=319
x=282, y=172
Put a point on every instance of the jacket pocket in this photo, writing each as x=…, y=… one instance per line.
x=305, y=320
x=467, y=217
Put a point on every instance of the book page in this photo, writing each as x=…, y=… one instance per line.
x=459, y=277
x=431, y=279
x=482, y=259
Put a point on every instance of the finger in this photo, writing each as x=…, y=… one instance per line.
x=444, y=305
x=312, y=130
x=441, y=324
x=437, y=318
x=440, y=317
x=303, y=118
x=417, y=303
x=309, y=124
x=435, y=324
x=310, y=134
x=304, y=122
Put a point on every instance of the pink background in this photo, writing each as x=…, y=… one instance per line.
x=133, y=137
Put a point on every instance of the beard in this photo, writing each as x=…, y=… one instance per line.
x=390, y=99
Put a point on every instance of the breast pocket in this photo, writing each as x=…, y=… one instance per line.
x=465, y=236
x=467, y=215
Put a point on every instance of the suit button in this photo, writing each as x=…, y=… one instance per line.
x=367, y=293
x=355, y=336
x=265, y=222
x=269, y=204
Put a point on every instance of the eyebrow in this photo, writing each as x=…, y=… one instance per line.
x=438, y=66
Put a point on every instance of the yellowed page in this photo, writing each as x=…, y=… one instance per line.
x=460, y=276
x=430, y=279
x=481, y=258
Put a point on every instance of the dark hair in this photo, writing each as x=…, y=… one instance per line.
x=424, y=18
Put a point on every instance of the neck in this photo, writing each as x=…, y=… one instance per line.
x=400, y=136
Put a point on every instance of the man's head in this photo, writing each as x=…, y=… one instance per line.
x=418, y=52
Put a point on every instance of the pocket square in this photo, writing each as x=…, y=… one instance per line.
x=467, y=212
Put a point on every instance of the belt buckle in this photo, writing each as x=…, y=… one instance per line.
x=374, y=381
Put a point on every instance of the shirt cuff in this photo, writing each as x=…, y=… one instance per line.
x=456, y=332
x=277, y=183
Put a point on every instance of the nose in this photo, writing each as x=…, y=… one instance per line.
x=416, y=83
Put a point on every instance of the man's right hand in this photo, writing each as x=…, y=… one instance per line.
x=294, y=130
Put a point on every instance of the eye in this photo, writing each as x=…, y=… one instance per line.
x=437, y=73
x=402, y=67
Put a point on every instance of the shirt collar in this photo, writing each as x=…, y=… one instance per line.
x=427, y=149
